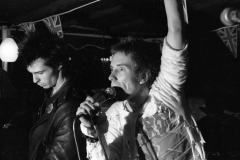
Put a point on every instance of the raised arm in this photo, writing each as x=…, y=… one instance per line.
x=175, y=35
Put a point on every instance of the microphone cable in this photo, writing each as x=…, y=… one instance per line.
x=75, y=139
x=97, y=132
x=101, y=98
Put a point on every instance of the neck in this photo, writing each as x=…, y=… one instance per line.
x=60, y=82
x=137, y=101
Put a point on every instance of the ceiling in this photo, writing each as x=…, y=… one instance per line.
x=212, y=66
x=141, y=17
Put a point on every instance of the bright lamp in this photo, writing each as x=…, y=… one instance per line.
x=230, y=16
x=8, y=50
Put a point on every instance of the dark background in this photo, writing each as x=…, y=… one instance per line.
x=91, y=30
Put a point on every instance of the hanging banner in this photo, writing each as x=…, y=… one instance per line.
x=54, y=25
x=229, y=37
x=28, y=27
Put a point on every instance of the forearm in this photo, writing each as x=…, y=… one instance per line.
x=174, y=12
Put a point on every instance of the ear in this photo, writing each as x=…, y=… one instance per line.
x=145, y=76
x=60, y=67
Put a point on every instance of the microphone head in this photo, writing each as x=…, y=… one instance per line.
x=111, y=92
x=117, y=92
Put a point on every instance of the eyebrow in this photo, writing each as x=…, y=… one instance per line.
x=122, y=64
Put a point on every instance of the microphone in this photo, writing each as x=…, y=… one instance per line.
x=102, y=97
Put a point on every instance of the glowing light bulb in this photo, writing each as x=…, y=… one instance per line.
x=230, y=16
x=8, y=50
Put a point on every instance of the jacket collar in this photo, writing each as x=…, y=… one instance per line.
x=57, y=100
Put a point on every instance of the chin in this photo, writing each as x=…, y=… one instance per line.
x=45, y=87
x=113, y=85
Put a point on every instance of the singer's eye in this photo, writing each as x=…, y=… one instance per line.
x=122, y=69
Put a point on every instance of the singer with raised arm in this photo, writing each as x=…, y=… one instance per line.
x=154, y=122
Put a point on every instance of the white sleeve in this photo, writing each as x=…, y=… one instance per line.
x=173, y=69
x=111, y=140
x=171, y=80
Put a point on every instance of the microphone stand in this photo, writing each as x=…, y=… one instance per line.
x=99, y=138
x=97, y=132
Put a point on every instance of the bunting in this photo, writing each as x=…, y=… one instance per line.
x=54, y=25
x=229, y=37
x=28, y=27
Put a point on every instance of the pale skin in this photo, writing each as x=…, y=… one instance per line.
x=122, y=69
x=122, y=75
x=46, y=76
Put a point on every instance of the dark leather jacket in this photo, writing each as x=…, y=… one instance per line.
x=52, y=138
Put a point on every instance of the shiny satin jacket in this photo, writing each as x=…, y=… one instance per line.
x=51, y=138
x=155, y=131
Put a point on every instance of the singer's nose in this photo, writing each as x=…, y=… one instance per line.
x=112, y=76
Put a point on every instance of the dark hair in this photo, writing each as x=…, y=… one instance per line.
x=144, y=55
x=45, y=45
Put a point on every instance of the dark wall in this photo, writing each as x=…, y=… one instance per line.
x=213, y=70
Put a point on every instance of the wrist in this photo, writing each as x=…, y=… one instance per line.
x=90, y=139
x=88, y=131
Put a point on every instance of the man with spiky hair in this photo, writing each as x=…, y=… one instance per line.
x=47, y=59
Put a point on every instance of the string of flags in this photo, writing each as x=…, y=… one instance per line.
x=229, y=36
x=53, y=23
x=28, y=27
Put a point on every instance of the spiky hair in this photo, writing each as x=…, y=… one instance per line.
x=44, y=45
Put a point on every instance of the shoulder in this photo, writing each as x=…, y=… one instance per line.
x=75, y=91
x=68, y=106
x=71, y=93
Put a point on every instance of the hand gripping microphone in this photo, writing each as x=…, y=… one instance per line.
x=110, y=93
x=102, y=97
